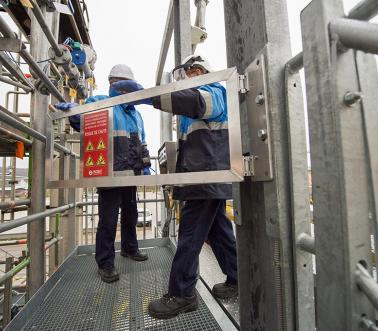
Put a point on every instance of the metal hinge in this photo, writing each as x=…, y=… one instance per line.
x=249, y=165
x=243, y=84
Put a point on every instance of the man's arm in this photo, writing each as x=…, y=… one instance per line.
x=75, y=119
x=193, y=103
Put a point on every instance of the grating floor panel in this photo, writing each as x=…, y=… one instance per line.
x=81, y=301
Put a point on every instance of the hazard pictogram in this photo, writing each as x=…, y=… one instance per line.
x=101, y=161
x=101, y=145
x=89, y=162
x=89, y=147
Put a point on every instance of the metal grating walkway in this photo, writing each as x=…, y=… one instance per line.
x=79, y=300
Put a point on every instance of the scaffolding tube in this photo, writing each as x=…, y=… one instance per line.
x=8, y=33
x=31, y=218
x=295, y=64
x=365, y=10
x=306, y=243
x=15, y=83
x=356, y=34
x=367, y=284
x=14, y=70
x=15, y=136
x=46, y=30
x=31, y=132
x=24, y=263
x=15, y=270
x=12, y=204
x=93, y=203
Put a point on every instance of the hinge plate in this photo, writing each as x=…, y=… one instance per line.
x=258, y=112
x=243, y=84
x=249, y=166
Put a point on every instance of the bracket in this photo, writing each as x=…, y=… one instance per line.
x=10, y=44
x=254, y=85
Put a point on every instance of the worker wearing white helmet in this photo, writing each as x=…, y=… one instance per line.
x=130, y=153
x=202, y=146
x=121, y=71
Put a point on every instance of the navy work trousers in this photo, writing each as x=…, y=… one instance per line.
x=109, y=202
x=201, y=220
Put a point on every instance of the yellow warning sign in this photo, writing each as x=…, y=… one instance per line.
x=89, y=146
x=89, y=162
x=101, y=161
x=101, y=145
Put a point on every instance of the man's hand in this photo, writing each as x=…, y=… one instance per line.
x=65, y=106
x=128, y=86
x=146, y=171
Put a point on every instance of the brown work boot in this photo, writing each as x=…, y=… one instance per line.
x=170, y=306
x=225, y=290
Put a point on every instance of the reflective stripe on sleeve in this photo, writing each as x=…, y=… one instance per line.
x=209, y=103
x=166, y=102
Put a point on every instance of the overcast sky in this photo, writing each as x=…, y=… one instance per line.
x=131, y=32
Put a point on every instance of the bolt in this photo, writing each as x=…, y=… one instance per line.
x=262, y=134
x=260, y=99
x=350, y=98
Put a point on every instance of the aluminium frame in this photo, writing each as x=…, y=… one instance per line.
x=234, y=174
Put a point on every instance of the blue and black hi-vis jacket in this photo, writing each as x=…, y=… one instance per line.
x=129, y=146
x=203, y=137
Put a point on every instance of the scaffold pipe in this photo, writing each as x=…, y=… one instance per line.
x=7, y=32
x=365, y=10
x=356, y=34
x=31, y=132
x=12, y=204
x=14, y=83
x=367, y=284
x=31, y=218
x=46, y=30
x=306, y=243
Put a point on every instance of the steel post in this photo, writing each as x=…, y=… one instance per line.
x=165, y=118
x=339, y=171
x=300, y=195
x=39, y=108
x=262, y=209
x=69, y=226
x=168, y=31
x=182, y=28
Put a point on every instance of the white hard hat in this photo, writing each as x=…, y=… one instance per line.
x=121, y=71
x=189, y=62
x=197, y=60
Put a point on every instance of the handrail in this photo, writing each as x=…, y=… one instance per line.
x=34, y=217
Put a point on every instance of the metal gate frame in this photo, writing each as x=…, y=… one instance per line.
x=234, y=174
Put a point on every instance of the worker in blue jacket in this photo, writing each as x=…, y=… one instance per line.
x=203, y=146
x=130, y=153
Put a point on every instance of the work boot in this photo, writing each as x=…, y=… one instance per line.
x=170, y=306
x=225, y=290
x=138, y=256
x=108, y=275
